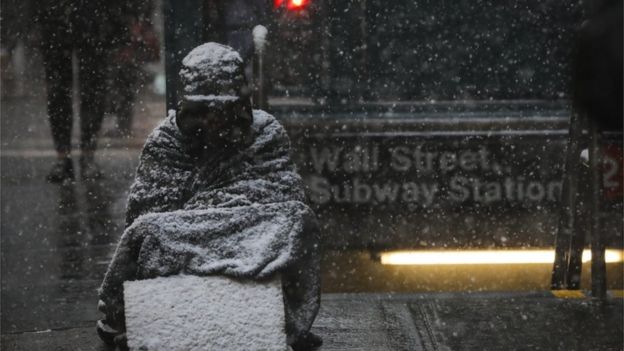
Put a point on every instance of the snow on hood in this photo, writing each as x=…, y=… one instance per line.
x=213, y=69
x=212, y=100
x=211, y=97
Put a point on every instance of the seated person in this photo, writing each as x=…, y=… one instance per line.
x=216, y=193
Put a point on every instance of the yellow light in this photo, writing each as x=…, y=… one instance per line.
x=457, y=257
x=297, y=3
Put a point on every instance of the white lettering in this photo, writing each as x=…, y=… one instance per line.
x=468, y=160
x=410, y=192
x=509, y=189
x=398, y=160
x=554, y=190
x=492, y=192
x=429, y=193
x=386, y=192
x=458, y=191
x=535, y=191
x=319, y=190
x=484, y=158
x=361, y=192
x=447, y=161
x=326, y=157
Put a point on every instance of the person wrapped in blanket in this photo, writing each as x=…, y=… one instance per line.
x=216, y=193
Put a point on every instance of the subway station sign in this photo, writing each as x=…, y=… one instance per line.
x=427, y=174
x=424, y=169
x=380, y=184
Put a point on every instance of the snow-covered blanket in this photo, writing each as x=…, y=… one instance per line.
x=239, y=213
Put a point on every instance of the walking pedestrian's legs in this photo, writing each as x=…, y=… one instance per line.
x=91, y=66
x=57, y=58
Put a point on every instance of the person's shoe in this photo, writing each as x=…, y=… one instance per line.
x=106, y=332
x=62, y=170
x=111, y=336
x=308, y=341
x=112, y=329
x=122, y=342
x=89, y=170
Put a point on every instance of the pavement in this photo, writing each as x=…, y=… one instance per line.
x=56, y=242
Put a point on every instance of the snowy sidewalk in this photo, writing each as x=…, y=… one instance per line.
x=446, y=321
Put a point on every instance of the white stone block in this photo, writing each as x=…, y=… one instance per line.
x=189, y=313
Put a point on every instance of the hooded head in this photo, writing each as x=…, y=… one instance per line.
x=215, y=106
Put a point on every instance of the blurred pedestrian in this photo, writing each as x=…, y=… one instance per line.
x=85, y=29
x=598, y=62
x=139, y=45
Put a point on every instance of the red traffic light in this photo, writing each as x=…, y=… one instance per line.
x=292, y=5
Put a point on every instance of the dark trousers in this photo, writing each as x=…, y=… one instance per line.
x=125, y=80
x=58, y=45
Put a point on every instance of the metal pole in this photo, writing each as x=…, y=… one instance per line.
x=260, y=40
x=569, y=195
x=261, y=81
x=598, y=266
x=581, y=219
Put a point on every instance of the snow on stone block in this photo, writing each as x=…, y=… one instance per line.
x=190, y=313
